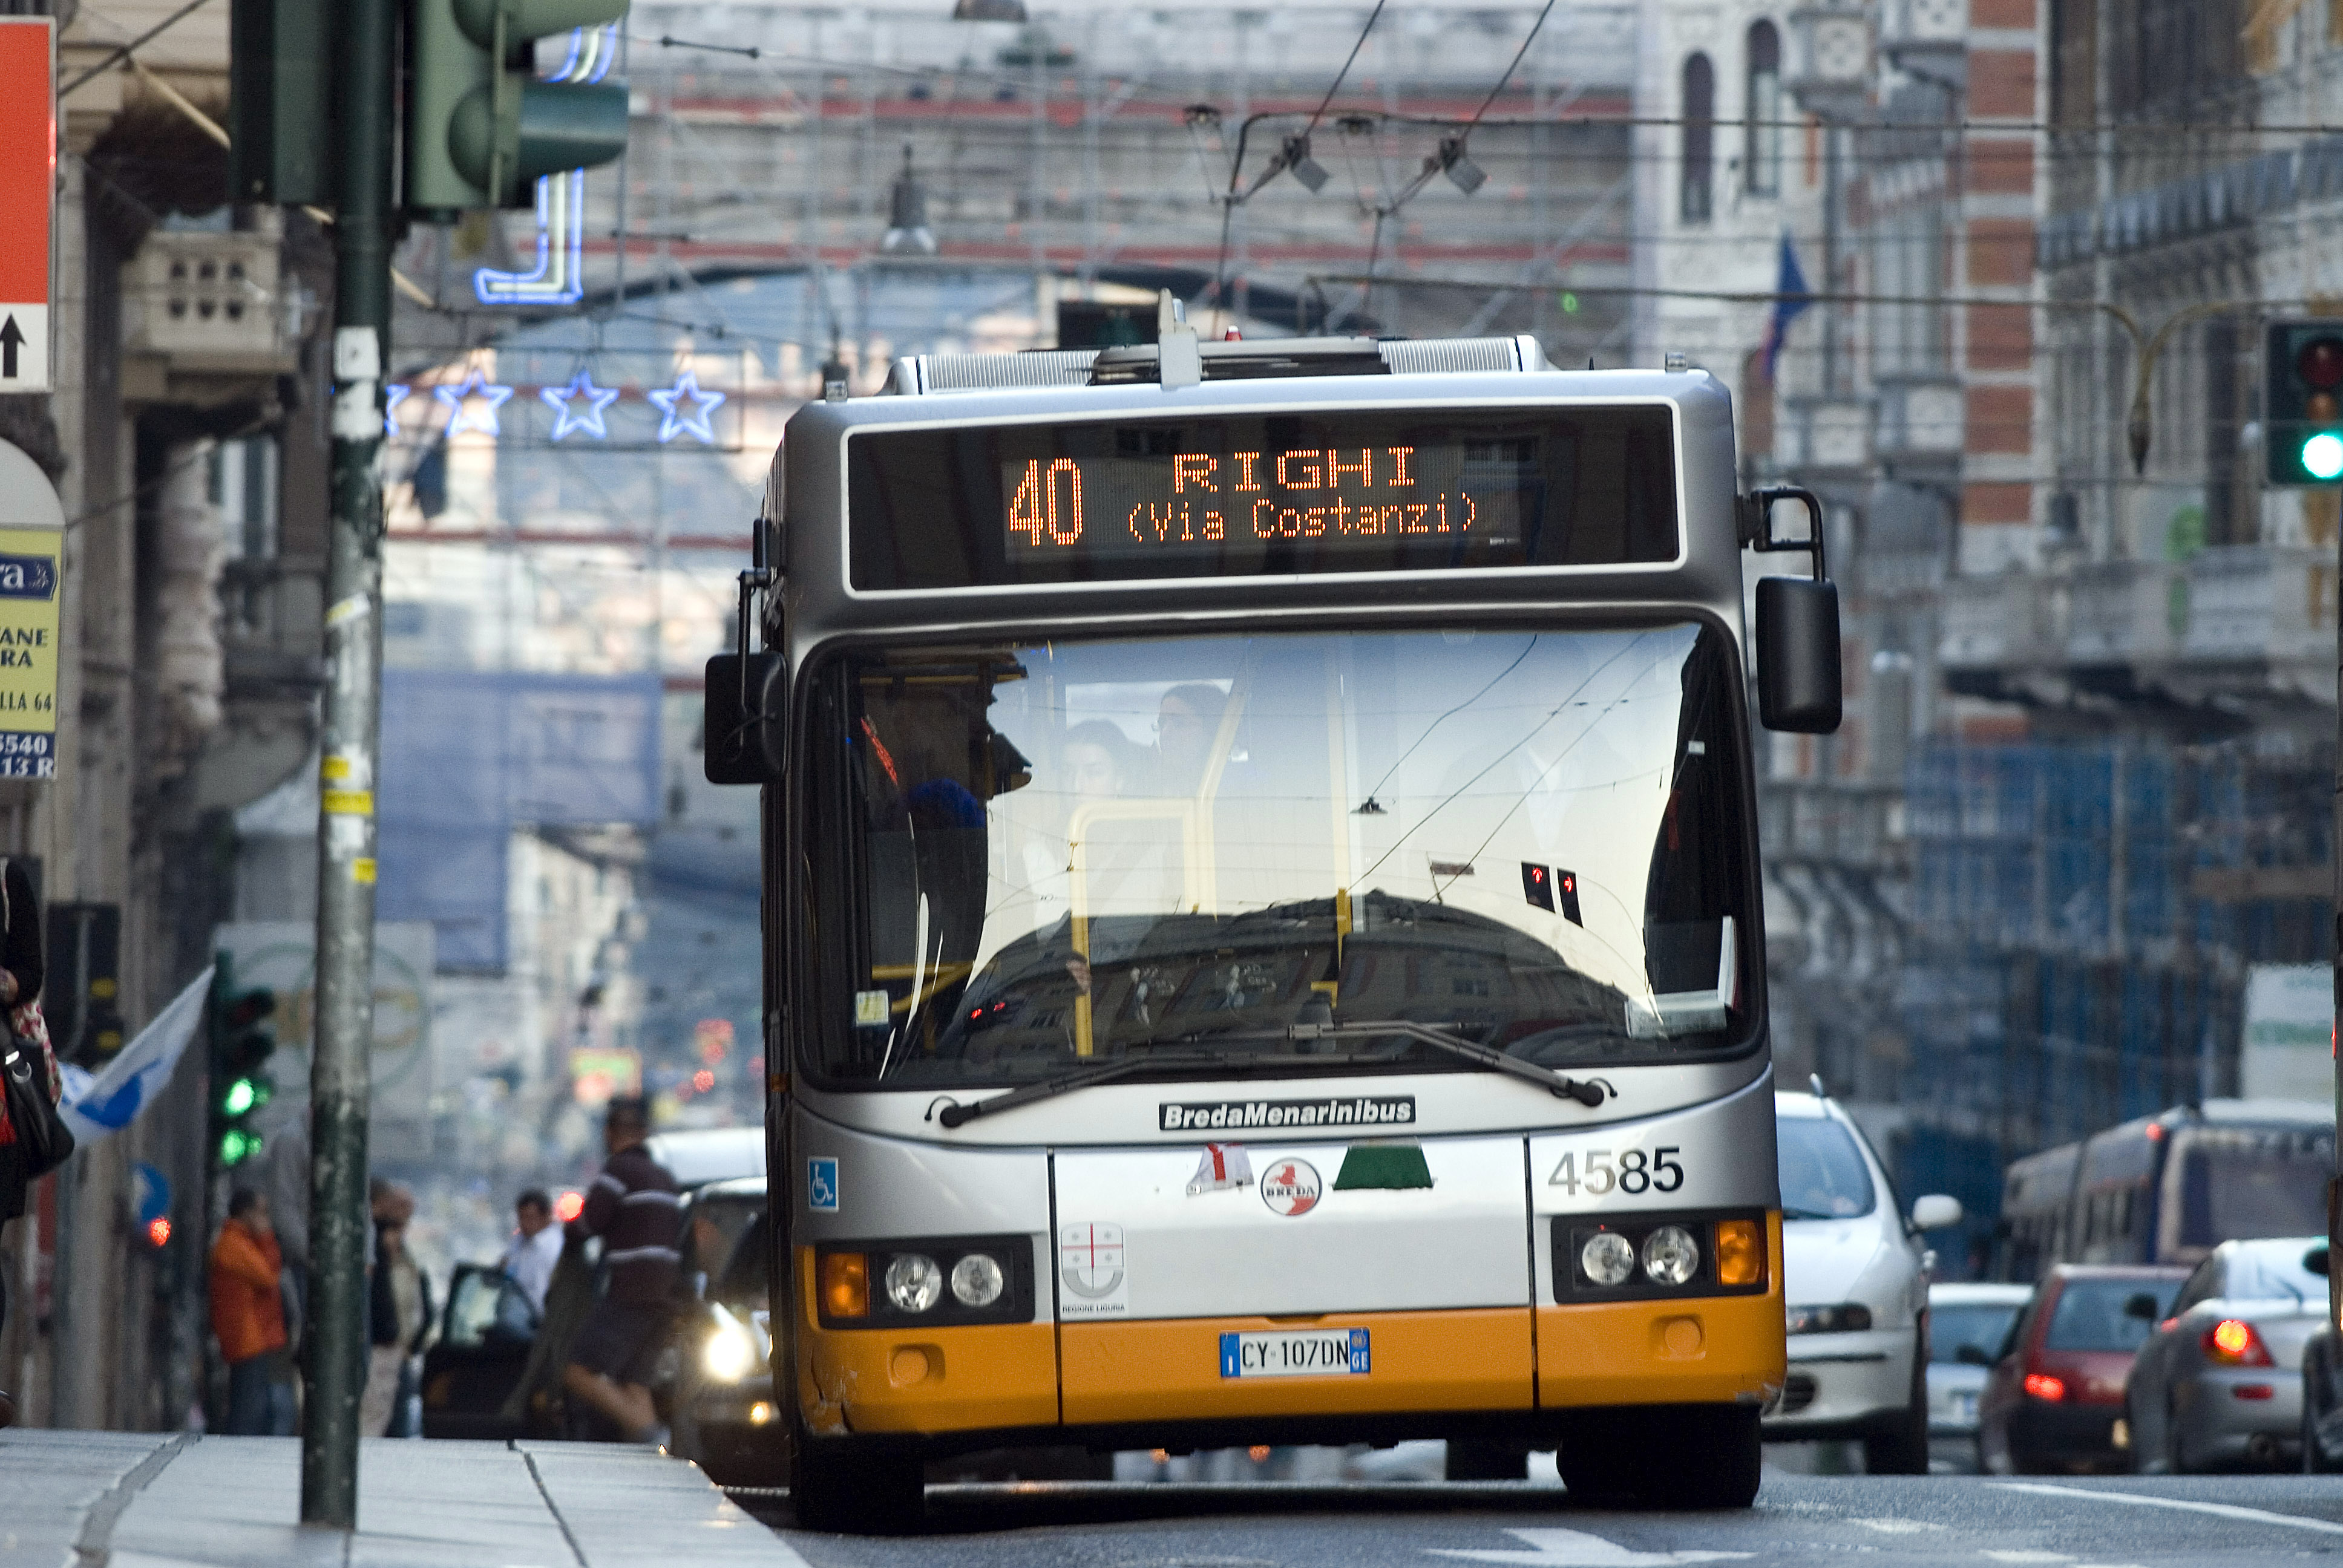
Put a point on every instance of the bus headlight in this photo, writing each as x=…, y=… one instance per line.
x=1608, y=1258
x=927, y=1280
x=1670, y=1255
x=977, y=1281
x=914, y=1283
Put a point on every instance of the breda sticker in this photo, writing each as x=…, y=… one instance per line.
x=1092, y=1269
x=1291, y=1187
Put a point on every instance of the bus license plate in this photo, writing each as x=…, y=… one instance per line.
x=1306, y=1352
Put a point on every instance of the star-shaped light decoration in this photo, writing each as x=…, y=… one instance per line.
x=392, y=397
x=687, y=389
x=568, y=417
x=476, y=385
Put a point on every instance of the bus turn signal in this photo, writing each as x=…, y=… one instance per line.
x=846, y=1285
x=1740, y=1252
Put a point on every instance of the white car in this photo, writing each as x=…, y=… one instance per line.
x=1854, y=1280
x=1967, y=1324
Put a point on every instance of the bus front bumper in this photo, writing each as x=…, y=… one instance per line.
x=1498, y=1373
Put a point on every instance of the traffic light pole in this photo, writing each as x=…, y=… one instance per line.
x=337, y=1346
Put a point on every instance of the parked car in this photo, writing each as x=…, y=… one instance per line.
x=1967, y=1324
x=2055, y=1398
x=486, y=1333
x=2219, y=1380
x=1853, y=1272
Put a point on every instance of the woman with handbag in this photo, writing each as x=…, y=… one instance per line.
x=33, y=1142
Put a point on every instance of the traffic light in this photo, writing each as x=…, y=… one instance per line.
x=481, y=127
x=280, y=102
x=2302, y=401
x=242, y=1041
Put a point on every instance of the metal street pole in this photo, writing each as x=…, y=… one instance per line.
x=338, y=1341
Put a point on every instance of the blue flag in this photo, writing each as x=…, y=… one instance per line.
x=1791, y=296
x=108, y=1100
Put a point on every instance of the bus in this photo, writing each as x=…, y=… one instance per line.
x=1262, y=935
x=2169, y=1187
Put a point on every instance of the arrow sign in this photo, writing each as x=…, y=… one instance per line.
x=29, y=164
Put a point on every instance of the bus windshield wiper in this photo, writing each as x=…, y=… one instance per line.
x=1586, y=1092
x=958, y=1115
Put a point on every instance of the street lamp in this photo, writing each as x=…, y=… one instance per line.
x=908, y=233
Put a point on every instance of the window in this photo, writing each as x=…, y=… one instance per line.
x=2091, y=1316
x=1762, y=110
x=1823, y=1176
x=1699, y=135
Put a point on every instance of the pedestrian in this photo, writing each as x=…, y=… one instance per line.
x=248, y=1282
x=398, y=1307
x=529, y=1258
x=634, y=1206
x=20, y=991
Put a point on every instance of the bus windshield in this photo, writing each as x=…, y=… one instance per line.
x=1030, y=855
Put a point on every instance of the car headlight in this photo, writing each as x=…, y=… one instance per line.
x=730, y=1353
x=1839, y=1318
x=914, y=1283
x=1670, y=1255
x=1608, y=1258
x=977, y=1281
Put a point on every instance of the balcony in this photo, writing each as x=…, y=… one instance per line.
x=2235, y=624
x=1927, y=37
x=204, y=316
x=1819, y=439
x=1831, y=61
x=1921, y=424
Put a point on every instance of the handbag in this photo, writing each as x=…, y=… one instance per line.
x=41, y=1140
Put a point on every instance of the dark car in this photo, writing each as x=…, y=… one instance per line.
x=723, y=1412
x=2054, y=1400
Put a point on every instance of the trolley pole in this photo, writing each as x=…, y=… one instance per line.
x=336, y=1350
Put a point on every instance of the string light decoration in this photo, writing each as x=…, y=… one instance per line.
x=674, y=421
x=568, y=417
x=476, y=386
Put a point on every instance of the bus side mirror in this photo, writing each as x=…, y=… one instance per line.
x=1797, y=655
x=743, y=742
x=1798, y=624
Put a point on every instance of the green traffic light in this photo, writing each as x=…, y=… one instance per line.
x=241, y=1096
x=2322, y=455
x=236, y=1146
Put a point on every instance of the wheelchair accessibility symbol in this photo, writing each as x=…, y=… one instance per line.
x=822, y=1186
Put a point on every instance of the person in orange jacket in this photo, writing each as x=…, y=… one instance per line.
x=248, y=1276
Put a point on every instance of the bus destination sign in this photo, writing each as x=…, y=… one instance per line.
x=1192, y=502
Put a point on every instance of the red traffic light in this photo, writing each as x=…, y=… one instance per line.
x=2320, y=363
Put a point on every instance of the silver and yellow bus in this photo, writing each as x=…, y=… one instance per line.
x=1262, y=931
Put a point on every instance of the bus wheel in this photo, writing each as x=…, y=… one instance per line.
x=1665, y=1456
x=854, y=1490
x=1472, y=1459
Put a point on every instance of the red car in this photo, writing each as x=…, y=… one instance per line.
x=2054, y=1400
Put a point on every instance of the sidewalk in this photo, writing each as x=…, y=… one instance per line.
x=143, y=1500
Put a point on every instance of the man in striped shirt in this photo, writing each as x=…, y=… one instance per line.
x=633, y=1207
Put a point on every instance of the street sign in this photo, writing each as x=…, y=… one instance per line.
x=28, y=195
x=32, y=537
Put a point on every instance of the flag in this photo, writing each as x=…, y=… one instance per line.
x=95, y=1104
x=1790, y=297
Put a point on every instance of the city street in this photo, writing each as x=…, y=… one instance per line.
x=1798, y=1519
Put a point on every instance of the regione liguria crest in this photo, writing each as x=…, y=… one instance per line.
x=1092, y=1267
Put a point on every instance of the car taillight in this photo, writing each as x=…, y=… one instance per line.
x=2042, y=1385
x=2233, y=1342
